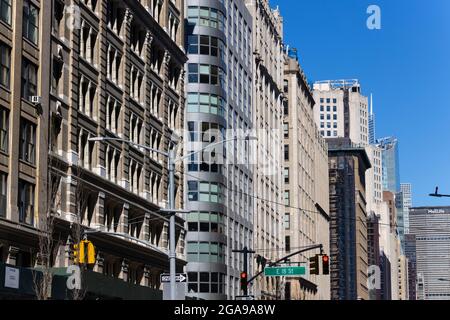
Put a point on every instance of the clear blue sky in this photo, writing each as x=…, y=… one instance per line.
x=406, y=65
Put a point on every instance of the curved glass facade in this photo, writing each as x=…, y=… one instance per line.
x=217, y=186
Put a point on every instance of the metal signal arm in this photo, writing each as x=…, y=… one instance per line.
x=317, y=246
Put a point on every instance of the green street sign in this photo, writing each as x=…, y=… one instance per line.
x=284, y=271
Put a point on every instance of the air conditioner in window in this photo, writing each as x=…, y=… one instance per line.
x=35, y=99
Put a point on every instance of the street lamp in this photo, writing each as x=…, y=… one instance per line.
x=171, y=210
x=438, y=195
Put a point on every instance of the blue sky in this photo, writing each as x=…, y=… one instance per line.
x=406, y=65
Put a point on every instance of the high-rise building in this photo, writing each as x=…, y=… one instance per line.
x=372, y=123
x=306, y=183
x=341, y=110
x=385, y=268
x=93, y=68
x=268, y=97
x=348, y=226
x=391, y=165
x=373, y=250
x=406, y=189
x=431, y=228
x=403, y=283
x=219, y=106
x=410, y=253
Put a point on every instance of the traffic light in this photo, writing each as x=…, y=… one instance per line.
x=78, y=253
x=244, y=281
x=84, y=252
x=314, y=264
x=90, y=252
x=325, y=264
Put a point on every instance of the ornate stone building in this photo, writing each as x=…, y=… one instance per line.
x=102, y=68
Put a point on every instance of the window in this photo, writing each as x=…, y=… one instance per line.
x=286, y=152
x=286, y=175
x=334, y=108
x=204, y=73
x=334, y=100
x=5, y=65
x=322, y=109
x=3, y=193
x=206, y=17
x=4, y=129
x=5, y=11
x=287, y=243
x=205, y=192
x=287, y=200
x=328, y=100
x=328, y=108
x=321, y=100
x=287, y=221
x=25, y=203
x=30, y=21
x=286, y=130
x=29, y=79
x=27, y=141
x=205, y=103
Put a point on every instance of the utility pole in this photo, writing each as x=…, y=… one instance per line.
x=245, y=252
x=172, y=252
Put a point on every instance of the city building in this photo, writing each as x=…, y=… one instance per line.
x=391, y=163
x=94, y=69
x=385, y=268
x=410, y=253
x=403, y=291
x=348, y=227
x=373, y=252
x=219, y=106
x=372, y=123
x=268, y=99
x=406, y=190
x=306, y=220
x=431, y=228
x=341, y=110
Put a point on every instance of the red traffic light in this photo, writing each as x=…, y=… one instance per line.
x=243, y=275
x=325, y=258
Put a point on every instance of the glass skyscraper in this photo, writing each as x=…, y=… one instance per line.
x=219, y=183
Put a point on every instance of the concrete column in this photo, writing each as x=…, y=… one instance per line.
x=123, y=219
x=99, y=263
x=124, y=270
x=98, y=217
x=145, y=281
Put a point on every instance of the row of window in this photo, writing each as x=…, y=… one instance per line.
x=328, y=133
x=206, y=192
x=328, y=100
x=322, y=108
x=30, y=19
x=29, y=79
x=206, y=103
x=322, y=125
x=205, y=222
x=27, y=145
x=206, y=45
x=206, y=17
x=322, y=117
x=209, y=252
x=25, y=199
x=206, y=74
x=205, y=282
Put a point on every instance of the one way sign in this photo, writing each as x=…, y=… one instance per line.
x=180, y=277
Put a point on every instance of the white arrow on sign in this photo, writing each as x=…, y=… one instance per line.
x=180, y=277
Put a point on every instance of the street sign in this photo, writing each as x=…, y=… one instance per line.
x=180, y=277
x=284, y=271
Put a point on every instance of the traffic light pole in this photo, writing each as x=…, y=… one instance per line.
x=317, y=246
x=245, y=252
